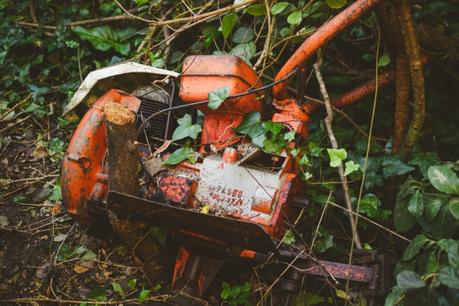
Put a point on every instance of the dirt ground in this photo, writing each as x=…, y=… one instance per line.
x=45, y=257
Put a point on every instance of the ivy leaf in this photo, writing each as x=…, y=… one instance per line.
x=416, y=204
x=180, y=155
x=118, y=289
x=274, y=145
x=279, y=7
x=289, y=237
x=186, y=128
x=274, y=127
x=253, y=127
x=217, y=97
x=245, y=51
x=409, y=281
x=443, y=179
x=336, y=4
x=243, y=35
x=336, y=156
x=256, y=10
x=295, y=18
x=104, y=38
x=143, y=295
x=369, y=204
x=228, y=23
x=415, y=246
x=289, y=136
x=384, y=60
x=453, y=207
x=259, y=140
x=351, y=167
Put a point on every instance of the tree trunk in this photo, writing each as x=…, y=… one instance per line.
x=122, y=156
x=417, y=75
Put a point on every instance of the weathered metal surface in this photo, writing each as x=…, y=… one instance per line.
x=205, y=73
x=238, y=232
x=231, y=190
x=326, y=32
x=125, y=76
x=341, y=271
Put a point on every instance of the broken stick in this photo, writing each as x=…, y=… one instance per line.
x=122, y=152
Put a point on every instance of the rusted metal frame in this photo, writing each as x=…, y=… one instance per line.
x=324, y=34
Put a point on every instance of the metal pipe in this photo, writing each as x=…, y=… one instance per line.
x=326, y=32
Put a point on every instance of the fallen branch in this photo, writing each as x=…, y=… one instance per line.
x=328, y=123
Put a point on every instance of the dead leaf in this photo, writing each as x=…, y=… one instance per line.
x=59, y=237
x=89, y=264
x=42, y=271
x=79, y=269
x=153, y=166
x=4, y=221
x=39, y=152
x=57, y=209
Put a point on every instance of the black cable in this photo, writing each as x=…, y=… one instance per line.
x=246, y=93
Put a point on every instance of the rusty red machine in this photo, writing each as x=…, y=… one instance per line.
x=235, y=201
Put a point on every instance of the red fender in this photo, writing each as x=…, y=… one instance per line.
x=83, y=172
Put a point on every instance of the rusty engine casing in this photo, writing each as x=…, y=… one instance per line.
x=231, y=185
x=235, y=178
x=202, y=74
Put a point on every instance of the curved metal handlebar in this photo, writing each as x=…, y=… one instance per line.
x=326, y=32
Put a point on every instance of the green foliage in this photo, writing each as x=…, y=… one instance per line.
x=351, y=167
x=243, y=35
x=289, y=237
x=336, y=156
x=181, y=154
x=430, y=263
x=252, y=127
x=228, y=23
x=256, y=10
x=295, y=18
x=217, y=97
x=336, y=4
x=80, y=251
x=279, y=7
x=104, y=38
x=143, y=295
x=417, y=201
x=236, y=295
x=444, y=179
x=186, y=128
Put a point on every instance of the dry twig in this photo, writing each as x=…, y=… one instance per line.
x=328, y=123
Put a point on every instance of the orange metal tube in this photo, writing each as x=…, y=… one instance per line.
x=319, y=38
x=355, y=94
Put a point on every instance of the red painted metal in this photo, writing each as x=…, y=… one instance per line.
x=204, y=73
x=326, y=32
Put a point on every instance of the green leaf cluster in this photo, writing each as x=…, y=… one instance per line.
x=237, y=294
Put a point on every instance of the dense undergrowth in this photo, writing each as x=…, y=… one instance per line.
x=48, y=47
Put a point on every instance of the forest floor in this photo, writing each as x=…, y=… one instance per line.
x=44, y=255
x=46, y=258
